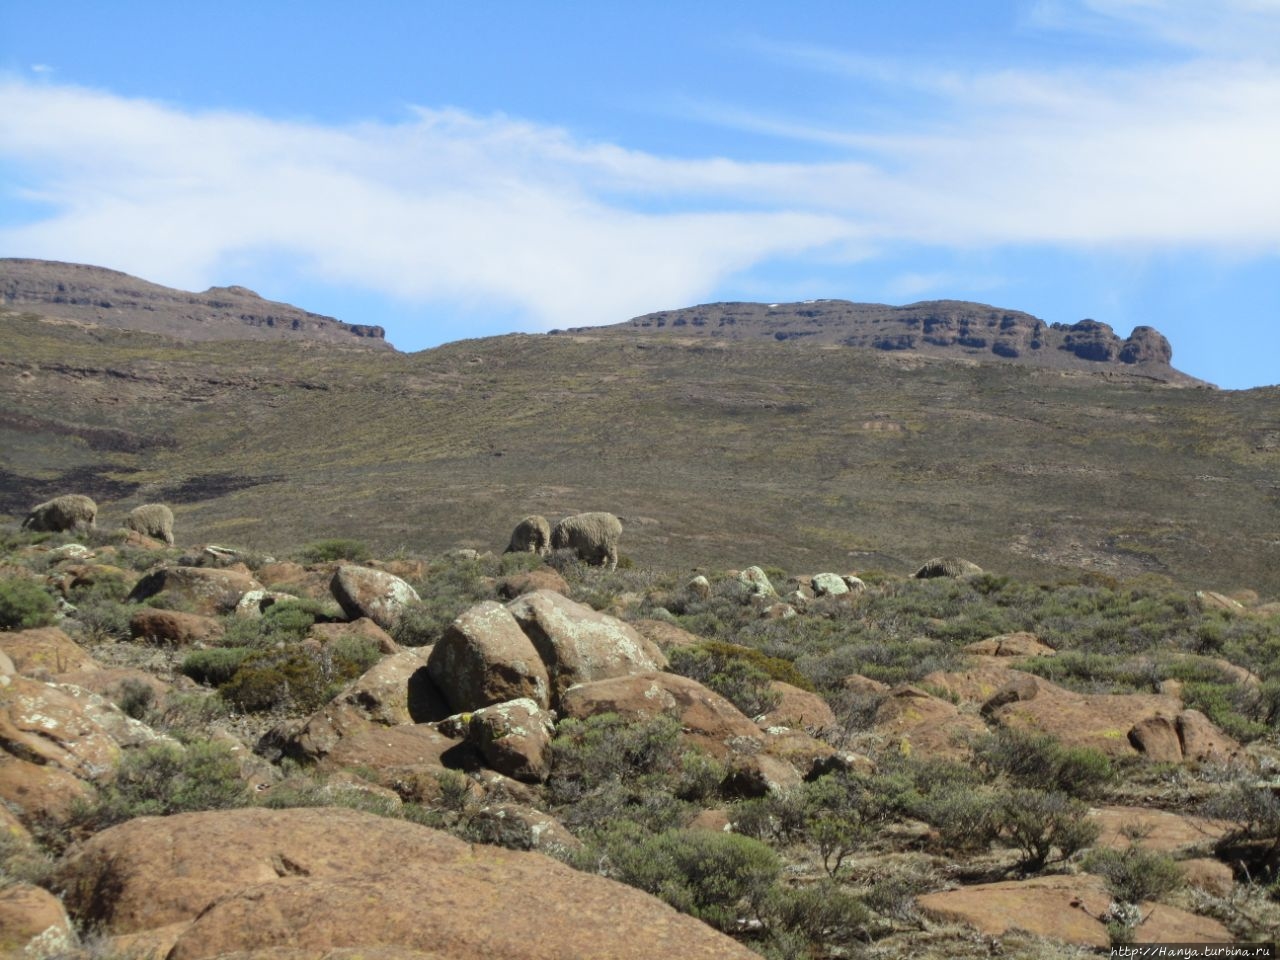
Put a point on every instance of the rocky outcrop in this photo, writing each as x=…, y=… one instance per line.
x=208, y=591
x=514, y=738
x=326, y=879
x=45, y=651
x=172, y=628
x=485, y=657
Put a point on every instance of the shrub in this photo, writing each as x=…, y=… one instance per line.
x=286, y=621
x=818, y=914
x=165, y=779
x=1038, y=823
x=25, y=605
x=136, y=699
x=334, y=548
x=1039, y=761
x=214, y=666
x=705, y=874
x=733, y=672
x=1135, y=874
x=282, y=679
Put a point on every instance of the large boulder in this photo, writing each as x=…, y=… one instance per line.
x=33, y=923
x=485, y=657
x=801, y=709
x=376, y=594
x=205, y=590
x=400, y=757
x=45, y=651
x=578, y=644
x=40, y=793
x=922, y=725
x=324, y=880
x=514, y=738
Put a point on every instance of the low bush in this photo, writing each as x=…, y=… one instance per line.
x=1038, y=823
x=334, y=548
x=215, y=666
x=1135, y=874
x=1040, y=762
x=25, y=605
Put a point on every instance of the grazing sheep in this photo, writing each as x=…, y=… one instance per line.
x=531, y=535
x=61, y=514
x=593, y=535
x=947, y=567
x=153, y=520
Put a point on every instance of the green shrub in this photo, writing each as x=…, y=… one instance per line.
x=214, y=666
x=136, y=699
x=1038, y=823
x=450, y=589
x=1135, y=874
x=25, y=605
x=286, y=621
x=165, y=779
x=103, y=620
x=705, y=874
x=334, y=548
x=822, y=915
x=733, y=672
x=283, y=679
x=1039, y=761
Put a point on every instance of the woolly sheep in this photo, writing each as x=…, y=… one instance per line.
x=153, y=520
x=531, y=535
x=593, y=535
x=61, y=514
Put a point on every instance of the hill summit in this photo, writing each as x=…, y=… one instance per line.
x=953, y=328
x=109, y=298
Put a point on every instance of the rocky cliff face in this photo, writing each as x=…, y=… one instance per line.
x=113, y=299
x=936, y=327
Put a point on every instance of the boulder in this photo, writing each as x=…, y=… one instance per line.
x=541, y=578
x=174, y=629
x=801, y=709
x=255, y=603
x=1201, y=741
x=33, y=923
x=1011, y=645
x=485, y=657
x=699, y=587
x=45, y=651
x=757, y=583
x=396, y=690
x=1161, y=830
x=398, y=755
x=1156, y=738
x=665, y=635
x=376, y=594
x=514, y=738
x=922, y=725
x=828, y=585
x=363, y=628
x=519, y=827
x=578, y=644
x=205, y=590
x=40, y=793
x=711, y=723
x=311, y=582
x=319, y=880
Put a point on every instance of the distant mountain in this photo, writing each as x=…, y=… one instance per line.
x=953, y=328
x=110, y=298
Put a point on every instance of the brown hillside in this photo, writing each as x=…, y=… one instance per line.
x=109, y=298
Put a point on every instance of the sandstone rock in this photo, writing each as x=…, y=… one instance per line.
x=171, y=628
x=207, y=590
x=376, y=594
x=395, y=690
x=579, y=645
x=757, y=583
x=710, y=722
x=540, y=578
x=311, y=582
x=485, y=657
x=798, y=708
x=40, y=793
x=45, y=651
x=363, y=628
x=514, y=738
x=857, y=683
x=664, y=635
x=66, y=727
x=922, y=725
x=1156, y=738
x=1212, y=876
x=1160, y=830
x=1011, y=645
x=828, y=584
x=70, y=551
x=112, y=683
x=1020, y=687
x=1064, y=908
x=1201, y=741
x=398, y=755
x=33, y=923
x=255, y=879
x=519, y=827
x=758, y=775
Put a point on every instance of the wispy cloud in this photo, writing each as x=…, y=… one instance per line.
x=495, y=210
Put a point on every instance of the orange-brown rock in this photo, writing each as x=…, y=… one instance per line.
x=665, y=635
x=1160, y=830
x=485, y=657
x=578, y=644
x=173, y=628
x=113, y=683
x=33, y=923
x=1202, y=741
x=514, y=738
x=363, y=628
x=39, y=792
x=540, y=578
x=798, y=708
x=399, y=753
x=1156, y=739
x=1212, y=876
x=1011, y=645
x=865, y=686
x=324, y=879
x=922, y=725
x=710, y=722
x=1067, y=908
x=205, y=590
x=45, y=651
x=311, y=582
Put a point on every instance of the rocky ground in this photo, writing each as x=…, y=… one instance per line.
x=212, y=753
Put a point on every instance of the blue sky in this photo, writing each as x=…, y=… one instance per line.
x=450, y=170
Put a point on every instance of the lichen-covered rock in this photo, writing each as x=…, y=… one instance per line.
x=376, y=594
x=699, y=587
x=485, y=657
x=205, y=590
x=828, y=584
x=757, y=583
x=45, y=651
x=514, y=739
x=255, y=603
x=33, y=923
x=578, y=644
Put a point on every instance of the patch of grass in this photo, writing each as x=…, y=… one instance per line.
x=25, y=605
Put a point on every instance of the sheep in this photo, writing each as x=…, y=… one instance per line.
x=153, y=520
x=61, y=514
x=531, y=535
x=593, y=535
